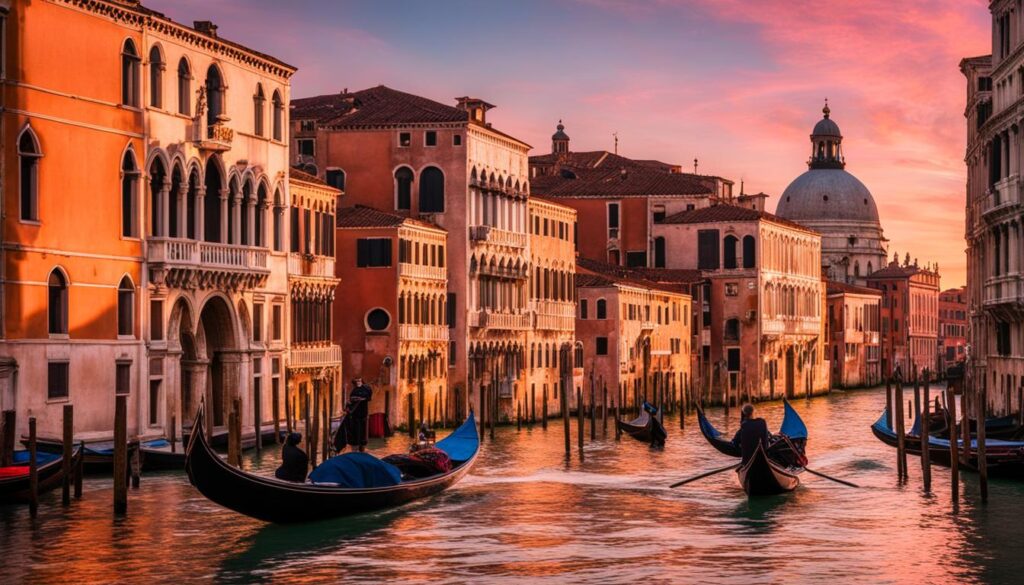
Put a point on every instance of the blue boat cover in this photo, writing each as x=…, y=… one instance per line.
x=356, y=470
x=156, y=444
x=21, y=457
x=792, y=425
x=463, y=443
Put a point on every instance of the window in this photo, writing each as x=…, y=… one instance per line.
x=378, y=320
x=602, y=309
x=732, y=289
x=294, y=229
x=129, y=205
x=749, y=251
x=156, y=320
x=733, y=359
x=58, y=303
x=636, y=259
x=613, y=221
x=154, y=401
x=57, y=380
x=730, y=252
x=404, y=139
x=156, y=78
x=125, y=307
x=307, y=147
x=659, y=252
x=278, y=114
x=430, y=138
x=658, y=213
x=130, y=74
x=184, y=88
x=452, y=353
x=732, y=331
x=336, y=178
x=214, y=96
x=278, y=222
x=431, y=190
x=707, y=250
x=601, y=345
x=123, y=379
x=583, y=309
x=457, y=140
x=257, y=321
x=373, y=252
x=450, y=310
x=276, y=322
x=403, y=188
x=258, y=100
x=28, y=164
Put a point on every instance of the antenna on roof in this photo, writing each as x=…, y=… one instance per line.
x=695, y=166
x=741, y=186
x=615, y=135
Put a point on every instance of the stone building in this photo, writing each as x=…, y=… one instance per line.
x=448, y=165
x=910, y=317
x=952, y=327
x=834, y=203
x=854, y=333
x=394, y=317
x=764, y=295
x=149, y=287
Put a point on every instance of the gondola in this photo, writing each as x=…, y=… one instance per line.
x=786, y=448
x=14, y=479
x=157, y=455
x=647, y=428
x=97, y=456
x=761, y=476
x=274, y=500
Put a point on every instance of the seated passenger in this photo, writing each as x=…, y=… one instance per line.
x=294, y=461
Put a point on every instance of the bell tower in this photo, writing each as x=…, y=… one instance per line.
x=559, y=140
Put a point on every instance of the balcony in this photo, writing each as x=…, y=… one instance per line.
x=554, y=315
x=497, y=237
x=1004, y=195
x=311, y=265
x=418, y=271
x=484, y=319
x=791, y=326
x=216, y=137
x=498, y=271
x=194, y=264
x=646, y=325
x=1003, y=295
x=408, y=332
x=314, y=357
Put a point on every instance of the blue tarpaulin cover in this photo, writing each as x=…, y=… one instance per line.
x=463, y=443
x=356, y=470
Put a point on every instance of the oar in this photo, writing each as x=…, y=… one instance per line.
x=820, y=474
x=703, y=475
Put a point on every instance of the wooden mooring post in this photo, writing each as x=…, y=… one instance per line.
x=954, y=450
x=519, y=416
x=593, y=411
x=7, y=440
x=544, y=409
x=579, y=420
x=981, y=408
x=901, y=448
x=604, y=409
x=121, y=455
x=615, y=413
x=69, y=438
x=235, y=438
x=926, y=464
x=33, y=470
x=564, y=402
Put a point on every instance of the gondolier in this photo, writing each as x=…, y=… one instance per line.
x=357, y=414
x=753, y=432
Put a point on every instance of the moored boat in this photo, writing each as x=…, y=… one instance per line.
x=14, y=479
x=647, y=427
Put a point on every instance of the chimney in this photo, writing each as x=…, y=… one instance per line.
x=623, y=173
x=205, y=27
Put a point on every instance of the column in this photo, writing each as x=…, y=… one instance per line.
x=223, y=216
x=182, y=210
x=250, y=219
x=236, y=218
x=164, y=216
x=200, y=213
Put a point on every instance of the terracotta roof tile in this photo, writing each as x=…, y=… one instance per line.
x=361, y=216
x=835, y=287
x=669, y=281
x=726, y=212
x=376, y=106
x=612, y=182
x=297, y=173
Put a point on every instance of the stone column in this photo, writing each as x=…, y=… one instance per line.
x=250, y=219
x=224, y=217
x=182, y=210
x=165, y=208
x=235, y=205
x=200, y=217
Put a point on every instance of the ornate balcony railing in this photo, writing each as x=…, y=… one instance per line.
x=791, y=325
x=498, y=237
x=1003, y=291
x=191, y=263
x=316, y=356
x=217, y=136
x=418, y=271
x=317, y=266
x=505, y=321
x=554, y=315
x=409, y=332
x=1004, y=195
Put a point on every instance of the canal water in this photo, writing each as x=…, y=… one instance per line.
x=525, y=512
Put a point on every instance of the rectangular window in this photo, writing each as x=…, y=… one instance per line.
x=307, y=146
x=295, y=229
x=336, y=178
x=56, y=380
x=707, y=250
x=154, y=401
x=734, y=359
x=430, y=138
x=404, y=139
x=156, y=320
x=276, y=322
x=373, y=252
x=452, y=353
x=732, y=289
x=658, y=213
x=257, y=321
x=307, y=125
x=457, y=140
x=636, y=259
x=583, y=308
x=601, y=345
x=613, y=220
x=450, y=310
x=123, y=379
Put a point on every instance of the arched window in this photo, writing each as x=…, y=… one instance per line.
x=258, y=99
x=260, y=236
x=749, y=252
x=157, y=175
x=28, y=164
x=214, y=95
x=602, y=309
x=130, y=74
x=278, y=222
x=184, y=87
x=129, y=195
x=125, y=307
x=156, y=78
x=403, y=188
x=211, y=202
x=659, y=252
x=57, y=309
x=278, y=116
x=730, y=252
x=856, y=268
x=431, y=190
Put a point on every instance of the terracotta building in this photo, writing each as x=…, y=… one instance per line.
x=952, y=326
x=764, y=297
x=445, y=164
x=910, y=317
x=153, y=296
x=854, y=333
x=393, y=316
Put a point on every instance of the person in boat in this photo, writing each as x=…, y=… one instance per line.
x=294, y=461
x=753, y=432
x=357, y=415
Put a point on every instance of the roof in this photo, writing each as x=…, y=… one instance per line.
x=653, y=278
x=376, y=106
x=299, y=174
x=361, y=216
x=585, y=279
x=726, y=212
x=593, y=159
x=614, y=182
x=836, y=287
x=894, y=270
x=828, y=194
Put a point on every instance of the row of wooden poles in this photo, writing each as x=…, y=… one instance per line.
x=921, y=409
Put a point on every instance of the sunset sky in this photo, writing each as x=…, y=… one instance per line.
x=735, y=83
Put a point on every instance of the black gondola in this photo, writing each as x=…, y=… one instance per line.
x=157, y=455
x=647, y=428
x=97, y=456
x=761, y=476
x=273, y=500
x=14, y=480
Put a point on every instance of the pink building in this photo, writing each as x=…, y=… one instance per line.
x=854, y=326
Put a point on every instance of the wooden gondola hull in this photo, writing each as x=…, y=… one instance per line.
x=51, y=475
x=652, y=431
x=162, y=459
x=761, y=477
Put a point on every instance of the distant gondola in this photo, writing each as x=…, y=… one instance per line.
x=647, y=428
x=97, y=456
x=14, y=479
x=274, y=500
x=761, y=476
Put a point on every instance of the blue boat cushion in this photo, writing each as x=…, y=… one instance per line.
x=21, y=457
x=356, y=470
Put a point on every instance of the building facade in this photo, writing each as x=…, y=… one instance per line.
x=910, y=317
x=854, y=333
x=952, y=327
x=186, y=175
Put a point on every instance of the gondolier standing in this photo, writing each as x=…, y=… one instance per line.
x=753, y=432
x=357, y=414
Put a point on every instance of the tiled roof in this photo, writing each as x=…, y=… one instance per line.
x=725, y=212
x=361, y=216
x=670, y=281
x=613, y=182
x=836, y=287
x=599, y=159
x=898, y=271
x=296, y=173
x=377, y=106
x=584, y=279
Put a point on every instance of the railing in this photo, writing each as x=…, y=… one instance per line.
x=191, y=253
x=320, y=266
x=1003, y=290
x=409, y=332
x=800, y=325
x=498, y=237
x=554, y=315
x=1005, y=194
x=505, y=321
x=315, y=356
x=418, y=271
x=216, y=136
x=646, y=325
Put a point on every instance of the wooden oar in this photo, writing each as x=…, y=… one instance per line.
x=703, y=475
x=820, y=474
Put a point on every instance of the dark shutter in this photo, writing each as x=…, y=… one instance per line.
x=707, y=250
x=749, y=252
x=450, y=312
x=362, y=253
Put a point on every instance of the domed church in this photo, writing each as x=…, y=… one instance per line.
x=836, y=204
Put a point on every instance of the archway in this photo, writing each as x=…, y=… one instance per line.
x=223, y=365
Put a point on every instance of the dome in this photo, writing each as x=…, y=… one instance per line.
x=560, y=134
x=827, y=194
x=826, y=127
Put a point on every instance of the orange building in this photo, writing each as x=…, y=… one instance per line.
x=149, y=286
x=910, y=317
x=952, y=327
x=854, y=325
